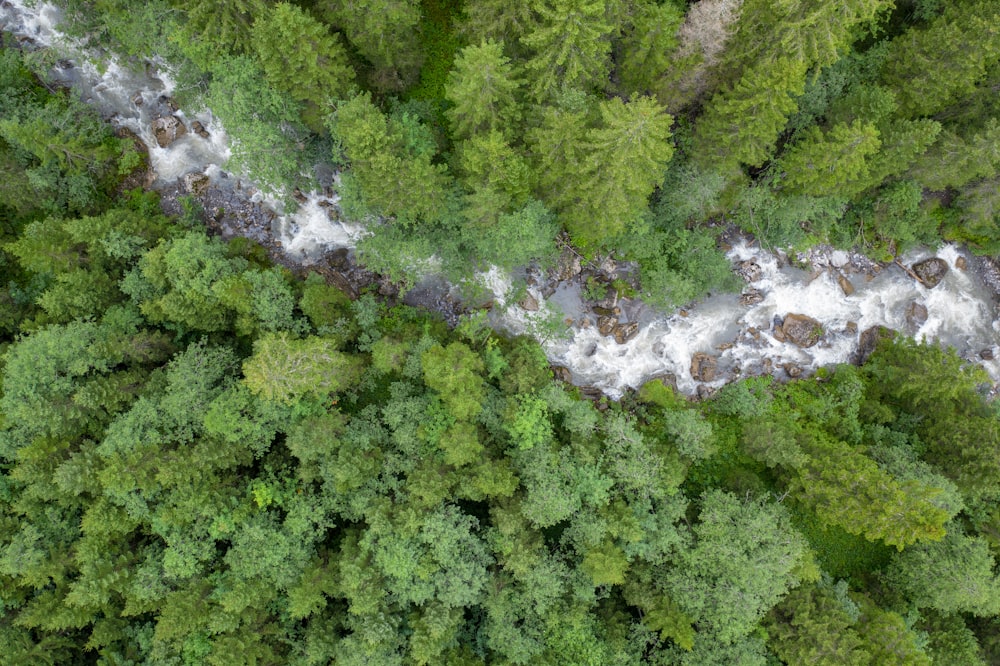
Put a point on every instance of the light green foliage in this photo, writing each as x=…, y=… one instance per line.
x=931, y=68
x=830, y=164
x=570, y=47
x=602, y=184
x=482, y=87
x=177, y=282
x=390, y=160
x=498, y=179
x=528, y=423
x=812, y=626
x=454, y=372
x=265, y=119
x=955, y=574
x=745, y=556
x=300, y=56
x=889, y=640
x=741, y=123
x=287, y=370
x=953, y=160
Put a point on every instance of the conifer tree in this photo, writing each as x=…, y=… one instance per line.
x=483, y=88
x=571, y=47
x=300, y=56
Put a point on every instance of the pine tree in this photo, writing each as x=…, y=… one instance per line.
x=832, y=163
x=300, y=56
x=483, y=88
x=571, y=47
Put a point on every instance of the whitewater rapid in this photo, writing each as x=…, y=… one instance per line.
x=741, y=338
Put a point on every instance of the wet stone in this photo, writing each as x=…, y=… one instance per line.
x=562, y=374
x=869, y=340
x=931, y=271
x=199, y=129
x=986, y=354
x=751, y=297
x=625, y=332
x=704, y=392
x=606, y=325
x=749, y=270
x=792, y=370
x=961, y=263
x=916, y=315
x=801, y=330
x=529, y=303
x=703, y=367
x=845, y=284
x=196, y=183
x=168, y=129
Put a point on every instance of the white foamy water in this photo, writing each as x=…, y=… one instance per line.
x=960, y=311
x=134, y=98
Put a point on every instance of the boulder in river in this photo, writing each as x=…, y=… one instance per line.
x=703, y=367
x=168, y=129
x=606, y=325
x=987, y=354
x=625, y=332
x=529, y=303
x=199, y=129
x=931, y=271
x=195, y=183
x=869, y=340
x=845, y=284
x=801, y=330
x=916, y=315
x=749, y=270
x=562, y=374
x=751, y=297
x=569, y=265
x=793, y=370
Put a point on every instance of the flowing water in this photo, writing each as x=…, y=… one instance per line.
x=961, y=311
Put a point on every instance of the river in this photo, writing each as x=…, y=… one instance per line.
x=740, y=335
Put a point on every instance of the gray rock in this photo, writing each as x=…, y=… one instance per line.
x=703, y=367
x=529, y=303
x=562, y=374
x=801, y=330
x=916, y=315
x=751, y=297
x=749, y=270
x=625, y=332
x=168, y=129
x=196, y=183
x=792, y=370
x=931, y=271
x=569, y=265
x=606, y=325
x=986, y=354
x=704, y=392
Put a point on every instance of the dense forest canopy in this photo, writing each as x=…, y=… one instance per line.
x=207, y=459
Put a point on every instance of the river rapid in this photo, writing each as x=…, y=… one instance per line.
x=741, y=334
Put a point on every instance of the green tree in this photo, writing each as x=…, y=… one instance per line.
x=953, y=575
x=812, y=626
x=300, y=56
x=454, y=372
x=649, y=45
x=482, y=87
x=831, y=163
x=286, y=370
x=385, y=32
x=741, y=123
x=391, y=162
x=931, y=68
x=745, y=556
x=571, y=47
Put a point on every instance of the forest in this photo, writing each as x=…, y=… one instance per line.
x=207, y=458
